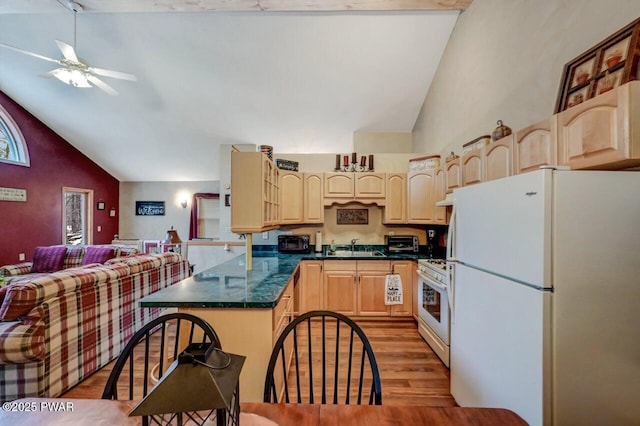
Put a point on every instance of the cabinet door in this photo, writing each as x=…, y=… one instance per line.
x=535, y=146
x=595, y=132
x=420, y=199
x=472, y=167
x=313, y=208
x=369, y=185
x=291, y=197
x=338, y=185
x=371, y=294
x=395, y=208
x=311, y=295
x=453, y=174
x=271, y=193
x=406, y=271
x=497, y=159
x=439, y=193
x=340, y=291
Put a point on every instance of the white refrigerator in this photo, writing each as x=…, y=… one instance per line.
x=545, y=295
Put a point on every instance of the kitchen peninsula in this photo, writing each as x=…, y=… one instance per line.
x=248, y=309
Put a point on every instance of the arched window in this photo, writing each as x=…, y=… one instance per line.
x=13, y=149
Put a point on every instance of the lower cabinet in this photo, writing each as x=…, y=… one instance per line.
x=310, y=286
x=357, y=288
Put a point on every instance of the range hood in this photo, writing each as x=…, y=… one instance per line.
x=448, y=201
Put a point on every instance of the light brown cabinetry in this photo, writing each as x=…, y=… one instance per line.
x=340, y=289
x=420, y=196
x=406, y=269
x=311, y=285
x=439, y=194
x=602, y=132
x=535, y=146
x=313, y=208
x=371, y=285
x=453, y=173
x=254, y=179
x=471, y=164
x=346, y=187
x=357, y=288
x=497, y=159
x=282, y=316
x=291, y=197
x=395, y=210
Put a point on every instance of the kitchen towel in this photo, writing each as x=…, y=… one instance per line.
x=393, y=290
x=318, y=242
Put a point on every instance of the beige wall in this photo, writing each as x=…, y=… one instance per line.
x=504, y=61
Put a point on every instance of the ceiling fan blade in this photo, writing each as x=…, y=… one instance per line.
x=101, y=85
x=113, y=74
x=67, y=51
x=35, y=55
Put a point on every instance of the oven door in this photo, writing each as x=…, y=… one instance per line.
x=433, y=306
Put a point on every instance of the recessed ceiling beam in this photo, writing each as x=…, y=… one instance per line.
x=123, y=6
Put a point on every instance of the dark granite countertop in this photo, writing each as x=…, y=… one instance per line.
x=230, y=285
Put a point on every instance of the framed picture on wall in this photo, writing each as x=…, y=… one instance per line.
x=610, y=63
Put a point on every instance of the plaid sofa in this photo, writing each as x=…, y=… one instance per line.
x=72, y=259
x=57, y=329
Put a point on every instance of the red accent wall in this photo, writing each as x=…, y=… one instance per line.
x=54, y=164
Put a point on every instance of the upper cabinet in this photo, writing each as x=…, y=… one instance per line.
x=497, y=161
x=602, y=132
x=346, y=187
x=453, y=175
x=439, y=194
x=395, y=210
x=313, y=208
x=420, y=196
x=291, y=197
x=255, y=205
x=471, y=165
x=535, y=146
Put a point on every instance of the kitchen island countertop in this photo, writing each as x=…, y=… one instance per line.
x=230, y=285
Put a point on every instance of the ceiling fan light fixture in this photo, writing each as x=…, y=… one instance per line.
x=74, y=78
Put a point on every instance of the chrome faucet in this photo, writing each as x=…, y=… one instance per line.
x=353, y=244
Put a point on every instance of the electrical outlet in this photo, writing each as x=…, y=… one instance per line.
x=391, y=233
x=21, y=257
x=288, y=233
x=99, y=228
x=265, y=235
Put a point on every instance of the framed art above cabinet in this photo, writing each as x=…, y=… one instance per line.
x=609, y=64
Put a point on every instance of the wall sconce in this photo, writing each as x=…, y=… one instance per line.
x=183, y=203
x=202, y=378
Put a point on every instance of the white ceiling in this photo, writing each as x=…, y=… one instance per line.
x=299, y=81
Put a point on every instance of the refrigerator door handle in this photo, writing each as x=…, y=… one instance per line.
x=451, y=235
x=451, y=275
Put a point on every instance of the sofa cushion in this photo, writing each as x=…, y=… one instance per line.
x=48, y=259
x=97, y=254
x=73, y=257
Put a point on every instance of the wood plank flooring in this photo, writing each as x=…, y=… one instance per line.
x=411, y=374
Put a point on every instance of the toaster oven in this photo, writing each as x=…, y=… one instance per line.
x=402, y=243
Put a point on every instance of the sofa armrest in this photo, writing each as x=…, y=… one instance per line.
x=21, y=342
x=15, y=270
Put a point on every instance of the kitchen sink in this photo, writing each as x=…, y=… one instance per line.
x=349, y=253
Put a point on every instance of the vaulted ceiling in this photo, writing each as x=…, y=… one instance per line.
x=300, y=76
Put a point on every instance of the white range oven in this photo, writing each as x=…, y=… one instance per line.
x=433, y=306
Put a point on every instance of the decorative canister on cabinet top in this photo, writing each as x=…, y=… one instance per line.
x=501, y=131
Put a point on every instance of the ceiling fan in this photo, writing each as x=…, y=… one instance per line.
x=73, y=71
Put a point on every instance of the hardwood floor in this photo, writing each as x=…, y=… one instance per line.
x=411, y=374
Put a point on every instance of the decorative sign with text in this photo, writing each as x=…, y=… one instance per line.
x=13, y=194
x=149, y=208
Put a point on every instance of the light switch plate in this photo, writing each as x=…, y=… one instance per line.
x=21, y=256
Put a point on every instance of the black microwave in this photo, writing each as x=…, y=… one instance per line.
x=293, y=244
